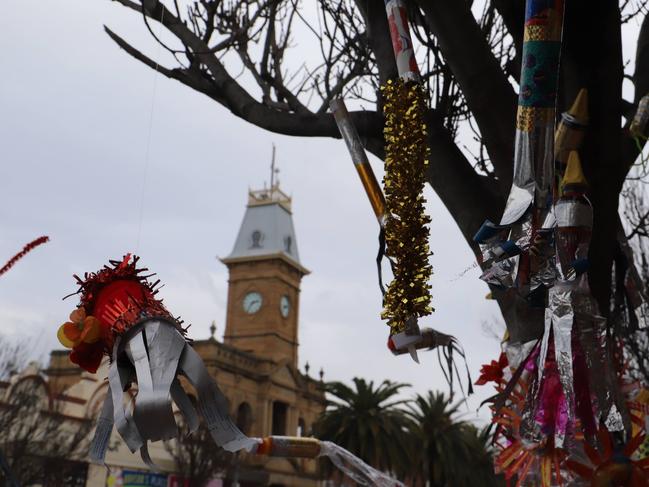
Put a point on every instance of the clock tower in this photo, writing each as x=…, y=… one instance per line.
x=264, y=282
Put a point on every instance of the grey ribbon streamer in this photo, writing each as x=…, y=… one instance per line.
x=104, y=429
x=184, y=405
x=212, y=404
x=155, y=352
x=123, y=420
x=155, y=371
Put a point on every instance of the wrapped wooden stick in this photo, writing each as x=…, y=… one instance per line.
x=359, y=158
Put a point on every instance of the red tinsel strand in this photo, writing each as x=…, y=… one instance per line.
x=26, y=249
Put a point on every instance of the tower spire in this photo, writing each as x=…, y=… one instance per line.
x=273, y=172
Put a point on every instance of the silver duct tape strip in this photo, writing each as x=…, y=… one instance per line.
x=212, y=404
x=153, y=412
x=355, y=468
x=185, y=406
x=119, y=377
x=103, y=431
x=560, y=316
x=155, y=367
x=573, y=213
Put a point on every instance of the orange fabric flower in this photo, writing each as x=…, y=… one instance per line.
x=80, y=329
x=83, y=335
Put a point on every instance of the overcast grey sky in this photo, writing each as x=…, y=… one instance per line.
x=75, y=113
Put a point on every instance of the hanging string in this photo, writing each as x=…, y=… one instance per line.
x=148, y=143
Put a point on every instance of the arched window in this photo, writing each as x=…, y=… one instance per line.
x=244, y=417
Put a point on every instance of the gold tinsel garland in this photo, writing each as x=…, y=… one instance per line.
x=406, y=230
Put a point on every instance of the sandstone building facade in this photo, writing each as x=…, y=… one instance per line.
x=256, y=365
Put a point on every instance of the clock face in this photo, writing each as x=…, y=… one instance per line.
x=285, y=306
x=252, y=302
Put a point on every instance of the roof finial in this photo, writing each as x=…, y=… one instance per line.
x=213, y=329
x=273, y=172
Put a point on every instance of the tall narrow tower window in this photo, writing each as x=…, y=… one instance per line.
x=288, y=244
x=257, y=238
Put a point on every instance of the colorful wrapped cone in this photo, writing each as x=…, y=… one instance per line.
x=572, y=127
x=534, y=150
x=120, y=316
x=533, y=178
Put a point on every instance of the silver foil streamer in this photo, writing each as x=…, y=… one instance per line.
x=155, y=367
x=592, y=337
x=521, y=193
x=504, y=272
x=531, y=148
x=610, y=405
x=355, y=468
x=559, y=316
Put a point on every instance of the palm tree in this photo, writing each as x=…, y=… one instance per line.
x=368, y=422
x=450, y=452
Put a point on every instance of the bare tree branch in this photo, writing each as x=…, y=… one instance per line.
x=483, y=82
